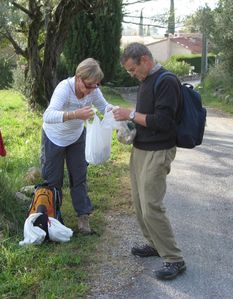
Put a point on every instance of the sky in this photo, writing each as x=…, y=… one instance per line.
x=156, y=7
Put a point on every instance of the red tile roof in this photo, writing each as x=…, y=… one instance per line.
x=194, y=44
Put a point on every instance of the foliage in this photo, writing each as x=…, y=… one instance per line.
x=62, y=69
x=194, y=60
x=217, y=25
x=50, y=270
x=122, y=78
x=99, y=38
x=19, y=82
x=202, y=21
x=180, y=68
x=217, y=89
x=217, y=78
x=37, y=30
x=171, y=19
x=6, y=76
x=223, y=34
x=19, y=148
x=219, y=84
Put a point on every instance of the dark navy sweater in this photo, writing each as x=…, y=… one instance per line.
x=161, y=110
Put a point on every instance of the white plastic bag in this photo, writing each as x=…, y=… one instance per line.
x=59, y=232
x=109, y=121
x=98, y=141
x=32, y=234
x=35, y=235
x=126, y=132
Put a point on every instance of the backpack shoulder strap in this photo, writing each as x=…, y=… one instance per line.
x=160, y=77
x=158, y=81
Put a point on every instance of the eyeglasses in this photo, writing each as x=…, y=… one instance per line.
x=90, y=86
x=130, y=72
x=132, y=66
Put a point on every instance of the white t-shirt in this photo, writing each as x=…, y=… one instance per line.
x=64, y=100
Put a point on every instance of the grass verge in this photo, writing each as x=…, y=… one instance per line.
x=50, y=270
x=214, y=100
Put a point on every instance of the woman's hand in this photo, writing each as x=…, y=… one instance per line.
x=84, y=113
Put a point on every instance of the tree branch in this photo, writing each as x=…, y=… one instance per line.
x=22, y=8
x=18, y=49
x=41, y=46
x=131, y=3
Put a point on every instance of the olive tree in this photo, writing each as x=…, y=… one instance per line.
x=37, y=29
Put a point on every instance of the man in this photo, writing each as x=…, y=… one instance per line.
x=154, y=149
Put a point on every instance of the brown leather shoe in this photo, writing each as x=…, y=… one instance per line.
x=84, y=225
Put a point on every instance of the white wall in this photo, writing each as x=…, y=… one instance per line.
x=163, y=50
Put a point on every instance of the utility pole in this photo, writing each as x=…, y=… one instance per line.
x=141, y=31
x=204, y=57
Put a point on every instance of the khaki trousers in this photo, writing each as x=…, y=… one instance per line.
x=148, y=171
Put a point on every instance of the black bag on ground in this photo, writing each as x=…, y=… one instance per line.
x=191, y=125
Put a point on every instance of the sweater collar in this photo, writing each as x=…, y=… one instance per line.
x=155, y=68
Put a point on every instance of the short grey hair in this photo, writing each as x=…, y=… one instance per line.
x=135, y=51
x=89, y=69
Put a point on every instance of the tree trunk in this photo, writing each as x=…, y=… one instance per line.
x=41, y=79
x=41, y=66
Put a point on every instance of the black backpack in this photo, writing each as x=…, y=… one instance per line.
x=191, y=124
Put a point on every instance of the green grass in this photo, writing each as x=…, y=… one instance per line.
x=210, y=100
x=54, y=270
x=50, y=270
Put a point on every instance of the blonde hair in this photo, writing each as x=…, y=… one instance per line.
x=89, y=69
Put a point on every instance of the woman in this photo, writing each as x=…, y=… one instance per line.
x=63, y=135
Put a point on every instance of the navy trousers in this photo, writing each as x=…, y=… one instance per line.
x=53, y=158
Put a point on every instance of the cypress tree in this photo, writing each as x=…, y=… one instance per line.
x=96, y=35
x=171, y=19
x=141, y=31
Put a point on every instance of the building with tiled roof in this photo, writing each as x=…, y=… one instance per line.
x=193, y=44
x=163, y=49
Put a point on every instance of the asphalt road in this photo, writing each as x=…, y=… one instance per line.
x=199, y=202
x=200, y=205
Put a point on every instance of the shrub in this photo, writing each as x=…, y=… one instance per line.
x=11, y=213
x=218, y=78
x=195, y=60
x=219, y=83
x=62, y=69
x=6, y=76
x=19, y=78
x=180, y=68
x=122, y=78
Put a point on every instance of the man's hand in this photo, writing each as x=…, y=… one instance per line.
x=121, y=113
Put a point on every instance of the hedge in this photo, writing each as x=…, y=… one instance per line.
x=195, y=60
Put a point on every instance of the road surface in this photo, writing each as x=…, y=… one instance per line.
x=199, y=202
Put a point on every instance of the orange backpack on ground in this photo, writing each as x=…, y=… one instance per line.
x=46, y=200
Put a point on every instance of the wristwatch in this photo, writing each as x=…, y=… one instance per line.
x=132, y=115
